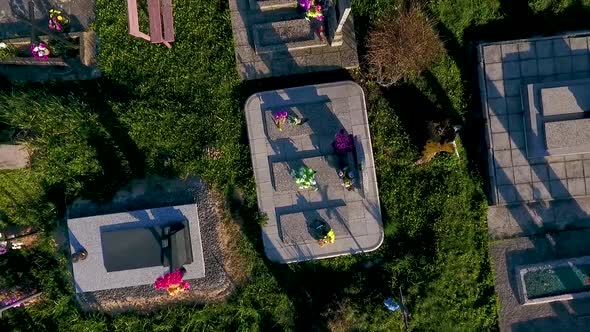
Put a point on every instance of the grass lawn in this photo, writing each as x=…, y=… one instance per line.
x=159, y=111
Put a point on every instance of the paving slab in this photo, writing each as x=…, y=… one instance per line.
x=13, y=156
x=328, y=108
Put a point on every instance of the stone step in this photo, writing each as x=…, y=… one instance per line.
x=289, y=36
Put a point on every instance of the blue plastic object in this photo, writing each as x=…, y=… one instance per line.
x=390, y=304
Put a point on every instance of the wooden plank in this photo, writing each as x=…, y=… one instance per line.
x=168, y=20
x=132, y=16
x=155, y=17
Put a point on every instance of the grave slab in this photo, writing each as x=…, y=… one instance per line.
x=286, y=36
x=325, y=166
x=568, y=136
x=566, y=97
x=295, y=226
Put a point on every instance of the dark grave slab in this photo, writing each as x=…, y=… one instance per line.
x=289, y=35
x=569, y=135
x=289, y=131
x=265, y=5
x=325, y=166
x=294, y=227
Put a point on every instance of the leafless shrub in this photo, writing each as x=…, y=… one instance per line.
x=402, y=45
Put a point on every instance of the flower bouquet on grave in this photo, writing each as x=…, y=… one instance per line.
x=40, y=51
x=346, y=177
x=57, y=20
x=312, y=9
x=283, y=118
x=305, y=178
x=343, y=142
x=172, y=282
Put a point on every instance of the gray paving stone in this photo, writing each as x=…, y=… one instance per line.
x=528, y=68
x=526, y=50
x=513, y=105
x=505, y=176
x=492, y=53
x=494, y=71
x=544, y=48
x=496, y=106
x=524, y=192
x=587, y=180
x=507, y=194
x=495, y=89
x=499, y=124
x=563, y=65
x=558, y=189
x=501, y=141
x=581, y=63
x=546, y=67
x=573, y=157
x=503, y=158
x=557, y=171
x=511, y=69
x=517, y=140
x=519, y=158
x=539, y=173
x=522, y=174
x=561, y=46
x=586, y=164
x=516, y=123
x=509, y=52
x=574, y=169
x=576, y=187
x=541, y=190
x=512, y=87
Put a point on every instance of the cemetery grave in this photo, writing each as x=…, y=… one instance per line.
x=51, y=40
x=555, y=280
x=278, y=152
x=274, y=38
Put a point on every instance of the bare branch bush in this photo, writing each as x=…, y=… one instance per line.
x=402, y=45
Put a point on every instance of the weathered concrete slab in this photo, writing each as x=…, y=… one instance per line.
x=264, y=5
x=91, y=275
x=571, y=135
x=325, y=166
x=329, y=107
x=287, y=36
x=295, y=227
x=13, y=156
x=288, y=130
x=567, y=97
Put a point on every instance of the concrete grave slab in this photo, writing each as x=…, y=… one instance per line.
x=564, y=137
x=91, y=275
x=329, y=107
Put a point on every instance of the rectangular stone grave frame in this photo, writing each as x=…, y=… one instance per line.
x=523, y=269
x=313, y=42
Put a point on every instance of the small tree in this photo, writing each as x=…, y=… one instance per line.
x=402, y=46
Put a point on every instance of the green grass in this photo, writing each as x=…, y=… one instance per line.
x=156, y=110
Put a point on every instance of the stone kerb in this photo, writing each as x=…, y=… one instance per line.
x=264, y=5
x=289, y=36
x=336, y=18
x=569, y=262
